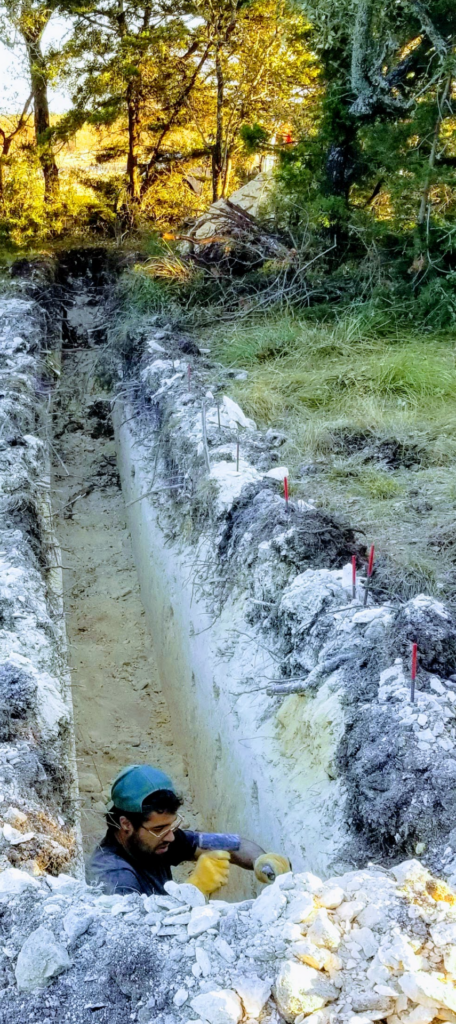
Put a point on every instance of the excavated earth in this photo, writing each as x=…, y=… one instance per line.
x=237, y=660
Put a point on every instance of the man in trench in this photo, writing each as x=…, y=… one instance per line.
x=144, y=840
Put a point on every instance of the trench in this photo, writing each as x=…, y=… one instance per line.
x=120, y=709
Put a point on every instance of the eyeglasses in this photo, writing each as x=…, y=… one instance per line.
x=160, y=832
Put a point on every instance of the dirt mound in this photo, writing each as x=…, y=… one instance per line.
x=314, y=537
x=391, y=451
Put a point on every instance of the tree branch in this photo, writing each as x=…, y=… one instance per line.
x=438, y=42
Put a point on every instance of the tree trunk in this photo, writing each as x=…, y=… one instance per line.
x=38, y=80
x=441, y=103
x=227, y=174
x=217, y=149
x=133, y=104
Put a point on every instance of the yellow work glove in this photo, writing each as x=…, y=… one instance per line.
x=211, y=872
x=269, y=865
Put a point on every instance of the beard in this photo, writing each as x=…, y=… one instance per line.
x=140, y=851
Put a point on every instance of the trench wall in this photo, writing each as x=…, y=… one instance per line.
x=241, y=760
x=39, y=817
x=247, y=598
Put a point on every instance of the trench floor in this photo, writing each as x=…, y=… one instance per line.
x=120, y=710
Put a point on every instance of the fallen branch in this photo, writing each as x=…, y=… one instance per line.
x=324, y=668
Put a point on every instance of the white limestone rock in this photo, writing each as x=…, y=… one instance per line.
x=371, y=916
x=317, y=1017
x=269, y=905
x=427, y=989
x=367, y=1000
x=291, y=932
x=63, y=883
x=396, y=951
x=330, y=896
x=254, y=993
x=365, y=938
x=203, y=961
x=419, y=1015
x=308, y=881
x=76, y=922
x=231, y=415
x=222, y=1006
x=350, y=909
x=14, y=817
x=278, y=473
x=224, y=950
x=202, y=918
x=180, y=997
x=40, y=959
x=310, y=954
x=301, y=989
x=13, y=881
x=409, y=871
x=323, y=932
x=300, y=908
x=444, y=933
x=449, y=960
x=186, y=893
x=14, y=837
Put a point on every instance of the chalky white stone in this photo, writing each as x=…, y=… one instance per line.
x=317, y=1017
x=350, y=909
x=371, y=916
x=40, y=959
x=180, y=997
x=444, y=933
x=310, y=954
x=222, y=1006
x=13, y=881
x=224, y=949
x=76, y=922
x=186, y=893
x=203, y=961
x=269, y=905
x=14, y=837
x=330, y=896
x=300, y=908
x=254, y=993
x=277, y=473
x=408, y=870
x=427, y=989
x=323, y=932
x=301, y=989
x=201, y=919
x=449, y=960
x=419, y=1015
x=365, y=938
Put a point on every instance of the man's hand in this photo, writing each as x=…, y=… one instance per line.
x=211, y=872
x=269, y=865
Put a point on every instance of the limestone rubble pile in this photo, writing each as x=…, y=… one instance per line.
x=365, y=946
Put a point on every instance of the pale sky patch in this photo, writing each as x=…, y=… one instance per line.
x=14, y=81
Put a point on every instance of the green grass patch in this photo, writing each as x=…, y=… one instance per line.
x=369, y=404
x=337, y=369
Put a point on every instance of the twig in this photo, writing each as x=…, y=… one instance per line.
x=205, y=445
x=324, y=668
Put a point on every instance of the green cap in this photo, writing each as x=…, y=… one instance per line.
x=133, y=784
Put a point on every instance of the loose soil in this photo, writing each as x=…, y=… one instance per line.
x=120, y=711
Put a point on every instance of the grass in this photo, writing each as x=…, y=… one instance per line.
x=299, y=368
x=369, y=404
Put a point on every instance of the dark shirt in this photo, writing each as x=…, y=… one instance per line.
x=119, y=873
